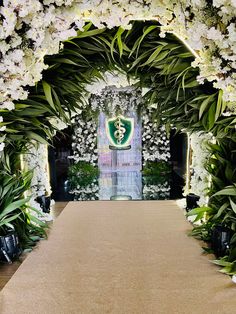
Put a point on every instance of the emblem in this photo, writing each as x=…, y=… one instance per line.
x=120, y=132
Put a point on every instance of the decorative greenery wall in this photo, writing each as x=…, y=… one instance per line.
x=83, y=181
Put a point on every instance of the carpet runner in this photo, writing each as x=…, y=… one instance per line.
x=121, y=257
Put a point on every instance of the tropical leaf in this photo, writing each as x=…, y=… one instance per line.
x=228, y=191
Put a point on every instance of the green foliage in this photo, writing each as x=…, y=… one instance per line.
x=14, y=211
x=153, y=168
x=82, y=174
x=222, y=204
x=228, y=267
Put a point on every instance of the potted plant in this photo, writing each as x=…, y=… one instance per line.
x=192, y=201
x=44, y=202
x=17, y=225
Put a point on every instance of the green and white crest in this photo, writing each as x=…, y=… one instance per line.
x=120, y=131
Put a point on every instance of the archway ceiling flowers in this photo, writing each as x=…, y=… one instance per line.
x=32, y=29
x=161, y=64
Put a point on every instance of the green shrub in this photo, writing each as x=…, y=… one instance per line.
x=81, y=174
x=156, y=168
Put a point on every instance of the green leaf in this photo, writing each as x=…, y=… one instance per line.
x=138, y=42
x=36, y=137
x=211, y=116
x=6, y=221
x=153, y=56
x=219, y=104
x=199, y=210
x=221, y=210
x=90, y=33
x=205, y=104
x=228, y=191
x=233, y=205
x=119, y=40
x=48, y=93
x=221, y=262
x=14, y=205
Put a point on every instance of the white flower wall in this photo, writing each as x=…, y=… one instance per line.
x=155, y=144
x=88, y=193
x=84, y=140
x=159, y=191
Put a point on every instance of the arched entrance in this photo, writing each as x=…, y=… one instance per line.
x=148, y=167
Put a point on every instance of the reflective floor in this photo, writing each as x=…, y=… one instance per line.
x=130, y=185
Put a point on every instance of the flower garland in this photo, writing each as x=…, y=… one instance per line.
x=32, y=29
x=199, y=180
x=116, y=78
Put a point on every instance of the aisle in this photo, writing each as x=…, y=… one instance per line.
x=122, y=257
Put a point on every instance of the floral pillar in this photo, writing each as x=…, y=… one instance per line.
x=200, y=178
x=37, y=160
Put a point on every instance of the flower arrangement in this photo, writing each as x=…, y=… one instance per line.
x=114, y=101
x=36, y=160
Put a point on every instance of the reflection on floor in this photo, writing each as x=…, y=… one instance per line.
x=120, y=183
x=131, y=184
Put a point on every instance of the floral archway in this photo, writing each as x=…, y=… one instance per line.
x=35, y=29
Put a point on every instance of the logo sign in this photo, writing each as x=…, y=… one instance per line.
x=120, y=131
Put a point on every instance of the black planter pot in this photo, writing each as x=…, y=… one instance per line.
x=9, y=247
x=191, y=201
x=220, y=240
x=44, y=202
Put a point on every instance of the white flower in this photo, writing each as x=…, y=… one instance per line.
x=2, y=145
x=234, y=278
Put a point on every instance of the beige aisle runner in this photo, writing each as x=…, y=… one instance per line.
x=122, y=257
